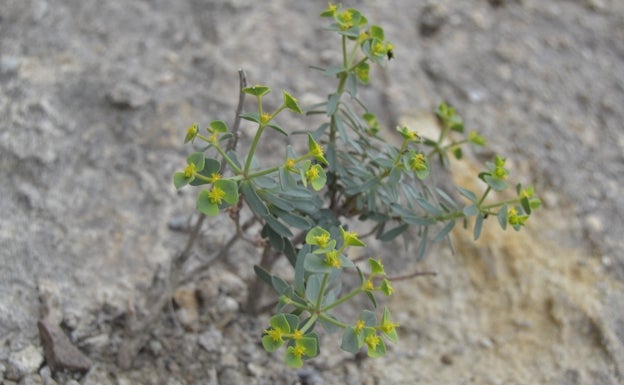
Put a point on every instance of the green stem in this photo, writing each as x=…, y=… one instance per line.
x=309, y=324
x=229, y=160
x=487, y=191
x=333, y=321
x=321, y=292
x=202, y=177
x=252, y=149
x=342, y=299
x=263, y=172
x=499, y=204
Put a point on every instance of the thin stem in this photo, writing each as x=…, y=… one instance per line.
x=487, y=191
x=342, y=299
x=321, y=292
x=252, y=149
x=309, y=324
x=333, y=321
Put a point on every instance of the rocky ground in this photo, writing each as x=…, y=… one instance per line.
x=94, y=101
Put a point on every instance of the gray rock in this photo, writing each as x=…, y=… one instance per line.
x=24, y=362
x=211, y=340
x=60, y=353
x=127, y=96
x=32, y=379
x=432, y=18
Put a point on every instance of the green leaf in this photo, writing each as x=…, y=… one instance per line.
x=495, y=183
x=252, y=117
x=445, y=231
x=313, y=287
x=263, y=274
x=470, y=210
x=319, y=182
x=315, y=263
x=380, y=348
x=211, y=166
x=218, y=126
x=257, y=90
x=198, y=159
x=350, y=341
x=310, y=344
x=300, y=270
x=478, y=227
x=270, y=345
x=253, y=201
x=315, y=235
x=279, y=284
x=502, y=217
x=277, y=128
x=180, y=181
x=391, y=335
x=277, y=226
x=230, y=188
x=205, y=205
x=376, y=267
x=526, y=205
x=393, y=233
x=291, y=102
x=468, y=194
x=275, y=200
x=292, y=360
x=377, y=32
x=332, y=104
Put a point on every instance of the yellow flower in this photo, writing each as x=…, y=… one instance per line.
x=312, y=173
x=372, y=341
x=216, y=195
x=332, y=259
x=388, y=326
x=378, y=49
x=215, y=176
x=368, y=285
x=418, y=162
x=290, y=163
x=265, y=118
x=359, y=325
x=298, y=350
x=297, y=335
x=189, y=171
x=322, y=240
x=275, y=334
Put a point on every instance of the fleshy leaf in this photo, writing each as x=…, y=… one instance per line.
x=291, y=102
x=257, y=90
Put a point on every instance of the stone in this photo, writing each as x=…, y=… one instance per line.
x=187, y=308
x=211, y=340
x=32, y=379
x=431, y=19
x=23, y=362
x=127, y=96
x=60, y=353
x=49, y=301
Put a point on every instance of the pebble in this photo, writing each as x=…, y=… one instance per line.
x=431, y=20
x=32, y=379
x=49, y=300
x=24, y=362
x=310, y=377
x=211, y=340
x=594, y=223
x=60, y=353
x=231, y=376
x=127, y=96
x=188, y=308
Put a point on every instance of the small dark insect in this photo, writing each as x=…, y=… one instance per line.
x=390, y=54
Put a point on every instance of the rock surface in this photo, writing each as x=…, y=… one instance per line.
x=94, y=100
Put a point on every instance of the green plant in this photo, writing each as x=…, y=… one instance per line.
x=306, y=201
